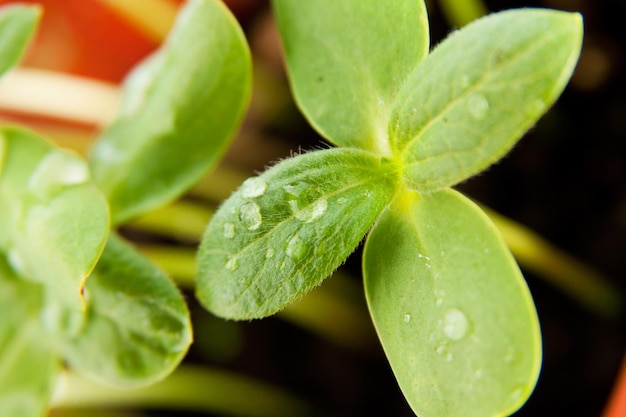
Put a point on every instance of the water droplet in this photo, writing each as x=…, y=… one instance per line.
x=407, y=318
x=232, y=263
x=253, y=187
x=270, y=253
x=59, y=169
x=440, y=350
x=295, y=247
x=455, y=324
x=309, y=213
x=342, y=200
x=250, y=216
x=478, y=106
x=229, y=230
x=305, y=201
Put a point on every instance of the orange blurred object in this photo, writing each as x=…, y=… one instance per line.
x=88, y=38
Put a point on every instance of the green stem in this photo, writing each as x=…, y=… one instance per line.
x=459, y=13
x=560, y=269
x=188, y=388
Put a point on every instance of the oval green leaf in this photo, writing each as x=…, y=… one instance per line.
x=180, y=110
x=137, y=328
x=53, y=220
x=346, y=59
x=17, y=25
x=468, y=103
x=451, y=308
x=28, y=365
x=283, y=232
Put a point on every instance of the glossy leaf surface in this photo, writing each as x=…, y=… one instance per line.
x=451, y=308
x=479, y=91
x=17, y=24
x=53, y=220
x=137, y=328
x=180, y=110
x=346, y=60
x=28, y=366
x=285, y=231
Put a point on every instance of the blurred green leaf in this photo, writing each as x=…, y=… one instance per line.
x=282, y=233
x=28, y=367
x=17, y=25
x=53, y=220
x=137, y=328
x=466, y=105
x=346, y=60
x=180, y=110
x=451, y=308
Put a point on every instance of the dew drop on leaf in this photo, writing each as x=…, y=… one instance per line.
x=407, y=318
x=295, y=247
x=250, y=216
x=311, y=212
x=478, y=106
x=229, y=230
x=455, y=324
x=232, y=264
x=253, y=187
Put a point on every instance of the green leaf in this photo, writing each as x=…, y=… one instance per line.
x=137, y=329
x=28, y=366
x=17, y=25
x=283, y=232
x=346, y=59
x=53, y=220
x=180, y=110
x=451, y=308
x=468, y=103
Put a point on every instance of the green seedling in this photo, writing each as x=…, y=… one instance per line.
x=449, y=303
x=71, y=290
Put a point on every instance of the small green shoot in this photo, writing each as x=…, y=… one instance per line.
x=450, y=305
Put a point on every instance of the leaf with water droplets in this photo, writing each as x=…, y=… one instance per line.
x=180, y=110
x=471, y=346
x=346, y=60
x=17, y=25
x=137, y=329
x=28, y=364
x=478, y=92
x=54, y=221
x=262, y=250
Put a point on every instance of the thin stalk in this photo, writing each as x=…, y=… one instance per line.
x=183, y=220
x=37, y=92
x=558, y=268
x=153, y=18
x=459, y=13
x=188, y=388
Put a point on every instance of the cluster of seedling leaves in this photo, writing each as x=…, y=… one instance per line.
x=72, y=291
x=450, y=306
